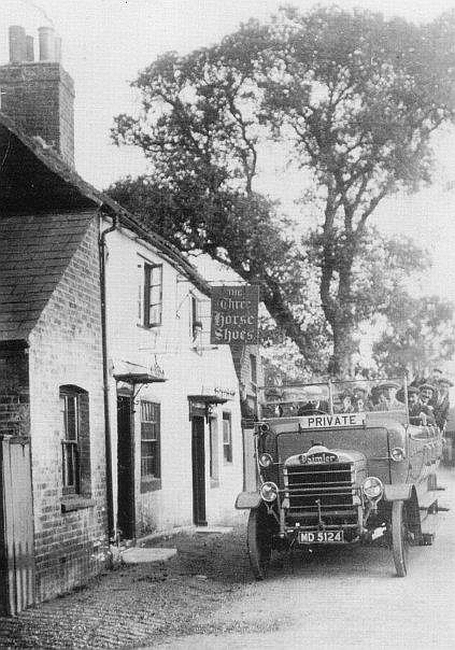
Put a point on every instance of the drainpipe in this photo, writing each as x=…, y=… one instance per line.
x=107, y=419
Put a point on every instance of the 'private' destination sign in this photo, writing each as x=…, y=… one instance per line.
x=336, y=420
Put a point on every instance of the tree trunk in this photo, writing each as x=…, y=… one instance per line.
x=340, y=362
x=338, y=310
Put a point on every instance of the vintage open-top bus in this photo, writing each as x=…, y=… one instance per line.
x=341, y=463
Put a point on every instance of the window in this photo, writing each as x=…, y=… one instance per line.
x=150, y=441
x=213, y=448
x=153, y=295
x=254, y=370
x=195, y=321
x=227, y=438
x=74, y=407
x=70, y=443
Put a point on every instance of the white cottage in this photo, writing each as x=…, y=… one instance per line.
x=176, y=437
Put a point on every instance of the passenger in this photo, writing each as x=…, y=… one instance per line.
x=375, y=398
x=441, y=402
x=361, y=400
x=426, y=394
x=314, y=404
x=418, y=412
x=347, y=403
x=387, y=397
x=278, y=411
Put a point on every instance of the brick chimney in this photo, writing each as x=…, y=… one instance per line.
x=39, y=95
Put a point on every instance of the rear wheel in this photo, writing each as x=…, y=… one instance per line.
x=259, y=541
x=400, y=538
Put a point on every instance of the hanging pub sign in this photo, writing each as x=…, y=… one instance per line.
x=234, y=314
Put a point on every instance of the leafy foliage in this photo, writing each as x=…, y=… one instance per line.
x=355, y=98
x=420, y=334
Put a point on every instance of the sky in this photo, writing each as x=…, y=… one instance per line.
x=106, y=43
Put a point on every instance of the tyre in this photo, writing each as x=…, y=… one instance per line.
x=259, y=541
x=400, y=538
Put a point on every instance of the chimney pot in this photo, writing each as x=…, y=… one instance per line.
x=17, y=44
x=30, y=48
x=39, y=96
x=46, y=44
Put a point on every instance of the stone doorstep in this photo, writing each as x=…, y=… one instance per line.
x=184, y=529
x=137, y=555
x=141, y=554
x=213, y=530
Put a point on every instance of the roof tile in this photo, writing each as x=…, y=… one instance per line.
x=34, y=253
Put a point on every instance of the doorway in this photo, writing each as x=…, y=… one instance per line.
x=198, y=460
x=125, y=467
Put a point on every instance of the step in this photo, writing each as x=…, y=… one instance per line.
x=213, y=530
x=137, y=555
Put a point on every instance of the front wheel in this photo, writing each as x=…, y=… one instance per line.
x=400, y=538
x=259, y=541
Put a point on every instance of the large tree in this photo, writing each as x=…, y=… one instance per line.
x=419, y=334
x=354, y=98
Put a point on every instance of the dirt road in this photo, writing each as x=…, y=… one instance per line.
x=206, y=597
x=346, y=598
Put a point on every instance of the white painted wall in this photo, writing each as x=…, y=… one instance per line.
x=189, y=371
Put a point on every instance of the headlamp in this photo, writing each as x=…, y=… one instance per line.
x=373, y=488
x=265, y=460
x=269, y=491
x=397, y=454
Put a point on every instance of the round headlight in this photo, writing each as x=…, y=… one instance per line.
x=398, y=454
x=265, y=460
x=269, y=491
x=373, y=488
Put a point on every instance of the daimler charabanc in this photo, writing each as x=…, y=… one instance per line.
x=341, y=463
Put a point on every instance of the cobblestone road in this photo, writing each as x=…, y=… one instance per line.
x=138, y=605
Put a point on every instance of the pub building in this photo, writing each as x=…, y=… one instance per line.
x=118, y=416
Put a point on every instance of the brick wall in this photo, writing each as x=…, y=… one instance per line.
x=14, y=392
x=65, y=349
x=39, y=97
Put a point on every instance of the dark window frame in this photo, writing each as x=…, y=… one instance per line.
x=227, y=440
x=149, y=285
x=150, y=413
x=75, y=465
x=253, y=369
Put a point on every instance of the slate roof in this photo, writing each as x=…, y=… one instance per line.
x=34, y=252
x=35, y=179
x=45, y=207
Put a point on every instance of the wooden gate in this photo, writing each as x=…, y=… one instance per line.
x=17, y=566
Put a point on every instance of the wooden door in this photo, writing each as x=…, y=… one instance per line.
x=198, y=460
x=17, y=562
x=125, y=468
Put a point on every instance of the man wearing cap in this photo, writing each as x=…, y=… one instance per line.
x=418, y=412
x=427, y=392
x=441, y=403
x=387, y=397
